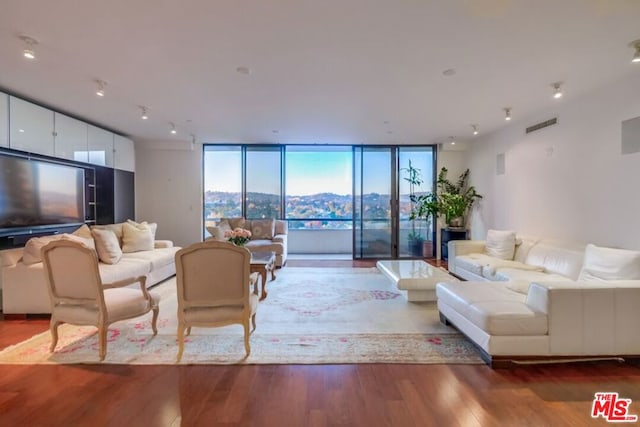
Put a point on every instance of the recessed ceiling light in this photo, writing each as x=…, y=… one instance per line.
x=449, y=72
x=557, y=92
x=389, y=132
x=101, y=85
x=507, y=113
x=275, y=131
x=144, y=115
x=29, y=51
x=243, y=70
x=475, y=129
x=636, y=56
x=386, y=122
x=173, y=128
x=21, y=130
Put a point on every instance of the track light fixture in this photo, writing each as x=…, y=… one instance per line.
x=29, y=51
x=144, y=115
x=101, y=85
x=636, y=56
x=475, y=129
x=557, y=92
x=507, y=113
x=453, y=140
x=173, y=128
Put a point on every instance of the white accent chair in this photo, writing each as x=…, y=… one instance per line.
x=214, y=289
x=79, y=297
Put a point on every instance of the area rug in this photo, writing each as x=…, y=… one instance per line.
x=311, y=316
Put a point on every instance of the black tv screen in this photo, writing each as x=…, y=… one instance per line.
x=35, y=193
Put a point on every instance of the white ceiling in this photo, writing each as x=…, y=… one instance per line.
x=331, y=71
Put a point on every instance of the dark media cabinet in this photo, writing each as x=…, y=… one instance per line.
x=109, y=197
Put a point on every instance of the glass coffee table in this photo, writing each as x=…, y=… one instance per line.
x=262, y=263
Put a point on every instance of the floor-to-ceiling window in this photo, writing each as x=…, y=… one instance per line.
x=222, y=182
x=263, y=188
x=318, y=187
x=323, y=188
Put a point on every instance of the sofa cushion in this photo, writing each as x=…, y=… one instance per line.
x=153, y=226
x=500, y=244
x=281, y=227
x=124, y=269
x=116, y=228
x=262, y=228
x=158, y=258
x=83, y=231
x=265, y=245
x=493, y=308
x=493, y=267
x=472, y=263
x=509, y=274
x=33, y=248
x=107, y=245
x=136, y=238
x=601, y=264
x=557, y=257
x=235, y=222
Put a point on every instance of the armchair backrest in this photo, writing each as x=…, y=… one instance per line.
x=213, y=274
x=72, y=273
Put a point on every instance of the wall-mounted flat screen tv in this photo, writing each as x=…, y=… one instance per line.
x=36, y=193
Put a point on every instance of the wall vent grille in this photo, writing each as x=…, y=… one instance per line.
x=542, y=125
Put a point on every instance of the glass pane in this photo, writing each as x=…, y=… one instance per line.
x=318, y=187
x=375, y=237
x=222, y=183
x=263, y=182
x=416, y=163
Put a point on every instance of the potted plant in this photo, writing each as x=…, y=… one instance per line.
x=426, y=206
x=414, y=178
x=455, y=199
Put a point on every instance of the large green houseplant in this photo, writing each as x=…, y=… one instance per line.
x=455, y=199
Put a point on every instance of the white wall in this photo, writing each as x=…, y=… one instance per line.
x=568, y=181
x=169, y=189
x=456, y=161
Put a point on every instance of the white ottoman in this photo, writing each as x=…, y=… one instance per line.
x=416, y=277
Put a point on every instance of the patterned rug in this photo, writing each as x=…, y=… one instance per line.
x=311, y=316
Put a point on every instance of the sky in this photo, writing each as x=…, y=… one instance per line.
x=307, y=172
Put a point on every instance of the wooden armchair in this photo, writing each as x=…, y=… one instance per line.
x=214, y=289
x=79, y=297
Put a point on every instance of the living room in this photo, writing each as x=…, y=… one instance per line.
x=352, y=74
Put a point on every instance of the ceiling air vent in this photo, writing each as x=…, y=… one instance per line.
x=542, y=125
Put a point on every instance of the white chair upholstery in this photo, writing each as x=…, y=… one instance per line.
x=78, y=295
x=214, y=289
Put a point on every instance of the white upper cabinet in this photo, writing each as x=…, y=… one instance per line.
x=4, y=120
x=124, y=154
x=71, y=138
x=100, y=146
x=31, y=127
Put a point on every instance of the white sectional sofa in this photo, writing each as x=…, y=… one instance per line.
x=553, y=300
x=24, y=287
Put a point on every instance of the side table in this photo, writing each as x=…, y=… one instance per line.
x=447, y=234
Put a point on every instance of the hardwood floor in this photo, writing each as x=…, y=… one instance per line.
x=303, y=395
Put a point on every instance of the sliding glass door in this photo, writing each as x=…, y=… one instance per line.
x=374, y=235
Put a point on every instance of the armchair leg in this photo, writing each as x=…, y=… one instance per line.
x=189, y=331
x=102, y=334
x=247, y=346
x=180, y=342
x=154, y=321
x=53, y=327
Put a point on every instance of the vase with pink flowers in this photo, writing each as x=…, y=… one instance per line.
x=238, y=236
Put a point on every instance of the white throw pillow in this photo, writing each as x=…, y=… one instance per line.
x=83, y=232
x=32, y=253
x=500, y=244
x=107, y=245
x=152, y=226
x=136, y=238
x=87, y=242
x=601, y=264
x=217, y=231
